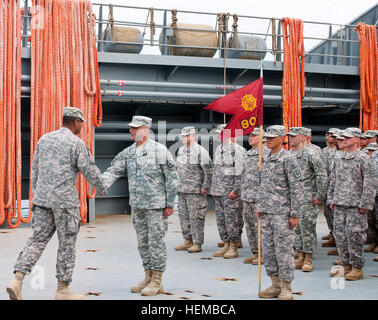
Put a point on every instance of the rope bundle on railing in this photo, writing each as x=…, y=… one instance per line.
x=369, y=76
x=64, y=73
x=10, y=113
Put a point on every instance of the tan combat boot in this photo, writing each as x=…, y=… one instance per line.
x=141, y=285
x=220, y=244
x=300, y=261
x=232, y=251
x=376, y=249
x=286, y=292
x=355, y=274
x=221, y=252
x=333, y=252
x=371, y=248
x=64, y=293
x=14, y=288
x=184, y=246
x=296, y=254
x=327, y=237
x=376, y=259
x=256, y=261
x=240, y=244
x=250, y=259
x=154, y=287
x=337, y=262
x=307, y=265
x=330, y=243
x=340, y=270
x=195, y=248
x=274, y=290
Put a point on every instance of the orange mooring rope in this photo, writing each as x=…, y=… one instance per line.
x=369, y=76
x=65, y=73
x=10, y=112
x=293, y=82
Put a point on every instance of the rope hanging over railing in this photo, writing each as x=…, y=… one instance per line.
x=369, y=76
x=64, y=73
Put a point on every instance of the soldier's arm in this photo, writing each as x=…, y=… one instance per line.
x=369, y=185
x=205, y=163
x=331, y=183
x=168, y=167
x=320, y=171
x=87, y=167
x=116, y=170
x=296, y=187
x=34, y=169
x=239, y=164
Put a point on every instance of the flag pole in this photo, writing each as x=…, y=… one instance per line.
x=259, y=218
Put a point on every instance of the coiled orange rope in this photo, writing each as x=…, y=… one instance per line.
x=369, y=76
x=293, y=82
x=10, y=112
x=65, y=73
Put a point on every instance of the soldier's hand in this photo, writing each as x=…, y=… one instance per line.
x=258, y=214
x=360, y=210
x=232, y=195
x=293, y=222
x=167, y=212
x=316, y=202
x=332, y=206
x=203, y=191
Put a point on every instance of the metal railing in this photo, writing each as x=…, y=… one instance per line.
x=347, y=43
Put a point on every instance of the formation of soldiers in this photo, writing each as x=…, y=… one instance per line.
x=286, y=190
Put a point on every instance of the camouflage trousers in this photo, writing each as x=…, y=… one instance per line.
x=192, y=211
x=240, y=216
x=227, y=216
x=44, y=223
x=349, y=230
x=372, y=231
x=151, y=227
x=328, y=214
x=305, y=231
x=250, y=220
x=277, y=245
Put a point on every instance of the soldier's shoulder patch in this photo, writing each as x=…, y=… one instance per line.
x=320, y=164
x=170, y=164
x=372, y=170
x=297, y=173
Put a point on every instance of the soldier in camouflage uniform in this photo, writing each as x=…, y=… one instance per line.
x=225, y=188
x=367, y=138
x=194, y=179
x=351, y=195
x=308, y=144
x=315, y=181
x=329, y=153
x=375, y=162
x=58, y=158
x=152, y=180
x=249, y=192
x=278, y=206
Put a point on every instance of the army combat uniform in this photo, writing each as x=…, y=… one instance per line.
x=59, y=157
x=227, y=170
x=352, y=186
x=194, y=174
x=152, y=179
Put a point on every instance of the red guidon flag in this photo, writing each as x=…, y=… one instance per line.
x=245, y=105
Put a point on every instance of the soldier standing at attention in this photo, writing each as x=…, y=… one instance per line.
x=315, y=181
x=225, y=188
x=194, y=180
x=375, y=162
x=329, y=152
x=58, y=158
x=249, y=192
x=278, y=206
x=152, y=180
x=351, y=195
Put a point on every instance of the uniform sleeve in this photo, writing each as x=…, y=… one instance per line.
x=369, y=185
x=319, y=168
x=296, y=187
x=87, y=167
x=34, y=169
x=116, y=170
x=168, y=167
x=239, y=164
x=331, y=182
x=206, y=166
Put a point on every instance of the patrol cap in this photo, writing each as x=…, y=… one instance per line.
x=220, y=128
x=338, y=135
x=332, y=130
x=275, y=131
x=187, y=131
x=74, y=113
x=370, y=134
x=296, y=131
x=372, y=146
x=256, y=131
x=351, y=132
x=307, y=132
x=139, y=121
